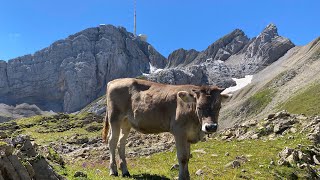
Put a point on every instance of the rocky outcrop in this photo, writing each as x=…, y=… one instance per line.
x=19, y=111
x=3, y=73
x=261, y=51
x=273, y=126
x=71, y=73
x=20, y=160
x=224, y=47
x=303, y=157
x=208, y=73
x=233, y=55
x=181, y=57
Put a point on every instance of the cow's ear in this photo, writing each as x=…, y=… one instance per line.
x=221, y=89
x=186, y=96
x=225, y=97
x=196, y=92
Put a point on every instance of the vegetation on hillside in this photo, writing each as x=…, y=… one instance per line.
x=256, y=103
x=47, y=129
x=306, y=101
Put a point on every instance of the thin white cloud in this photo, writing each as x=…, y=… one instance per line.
x=14, y=35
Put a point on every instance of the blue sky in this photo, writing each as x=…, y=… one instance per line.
x=30, y=25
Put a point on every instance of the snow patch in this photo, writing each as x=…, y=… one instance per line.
x=242, y=82
x=153, y=69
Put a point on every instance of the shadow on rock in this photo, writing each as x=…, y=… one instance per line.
x=149, y=177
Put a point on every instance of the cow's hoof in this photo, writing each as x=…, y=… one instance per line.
x=113, y=173
x=126, y=174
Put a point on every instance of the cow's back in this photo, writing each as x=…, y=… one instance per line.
x=119, y=94
x=148, y=106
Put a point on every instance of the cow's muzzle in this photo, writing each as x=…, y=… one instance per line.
x=209, y=128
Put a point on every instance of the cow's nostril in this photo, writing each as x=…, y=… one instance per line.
x=211, y=127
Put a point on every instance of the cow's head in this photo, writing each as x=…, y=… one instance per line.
x=207, y=101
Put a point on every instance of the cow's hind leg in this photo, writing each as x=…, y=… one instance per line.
x=125, y=130
x=113, y=141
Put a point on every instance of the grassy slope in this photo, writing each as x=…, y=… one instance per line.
x=256, y=103
x=259, y=152
x=47, y=130
x=307, y=101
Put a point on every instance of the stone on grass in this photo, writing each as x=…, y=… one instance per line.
x=175, y=167
x=233, y=164
x=316, y=159
x=272, y=162
x=80, y=174
x=199, y=172
x=201, y=151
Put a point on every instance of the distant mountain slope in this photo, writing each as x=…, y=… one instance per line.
x=291, y=83
x=233, y=55
x=72, y=72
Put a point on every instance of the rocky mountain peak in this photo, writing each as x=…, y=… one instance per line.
x=233, y=55
x=237, y=32
x=224, y=47
x=181, y=57
x=262, y=50
x=270, y=30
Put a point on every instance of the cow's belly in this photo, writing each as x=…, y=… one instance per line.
x=150, y=122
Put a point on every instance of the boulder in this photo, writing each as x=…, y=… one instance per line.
x=285, y=152
x=19, y=168
x=34, y=166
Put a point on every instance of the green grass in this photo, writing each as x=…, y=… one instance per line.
x=259, y=153
x=52, y=129
x=306, y=101
x=2, y=143
x=157, y=166
x=258, y=101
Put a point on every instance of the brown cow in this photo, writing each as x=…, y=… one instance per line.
x=186, y=111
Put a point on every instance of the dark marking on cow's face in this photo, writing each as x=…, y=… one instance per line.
x=208, y=104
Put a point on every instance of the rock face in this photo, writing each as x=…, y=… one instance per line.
x=25, y=163
x=181, y=57
x=72, y=72
x=261, y=51
x=225, y=47
x=233, y=55
x=213, y=73
x=19, y=111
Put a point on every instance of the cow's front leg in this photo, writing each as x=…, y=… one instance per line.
x=125, y=129
x=113, y=141
x=183, y=154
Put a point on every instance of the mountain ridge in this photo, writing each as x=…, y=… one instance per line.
x=232, y=56
x=73, y=72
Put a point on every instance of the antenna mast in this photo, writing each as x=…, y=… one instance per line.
x=135, y=19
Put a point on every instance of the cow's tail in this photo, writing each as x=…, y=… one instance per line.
x=105, y=129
